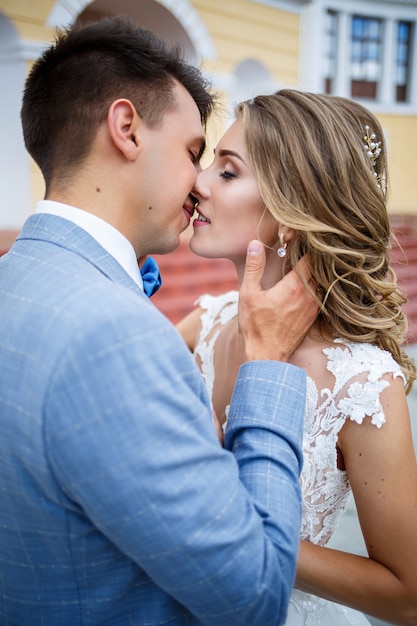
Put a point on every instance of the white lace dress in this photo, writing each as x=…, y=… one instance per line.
x=357, y=369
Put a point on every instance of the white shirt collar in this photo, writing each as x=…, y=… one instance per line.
x=104, y=233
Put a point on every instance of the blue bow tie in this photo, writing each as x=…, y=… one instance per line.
x=151, y=277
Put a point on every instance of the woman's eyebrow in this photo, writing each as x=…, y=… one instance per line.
x=224, y=152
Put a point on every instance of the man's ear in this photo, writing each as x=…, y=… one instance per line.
x=123, y=124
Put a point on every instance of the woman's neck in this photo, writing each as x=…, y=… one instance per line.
x=273, y=273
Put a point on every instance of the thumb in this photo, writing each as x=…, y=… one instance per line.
x=255, y=265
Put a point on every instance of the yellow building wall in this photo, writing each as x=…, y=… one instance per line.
x=401, y=136
x=29, y=17
x=243, y=30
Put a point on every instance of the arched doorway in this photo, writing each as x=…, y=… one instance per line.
x=175, y=22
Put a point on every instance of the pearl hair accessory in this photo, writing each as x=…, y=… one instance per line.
x=373, y=150
x=282, y=250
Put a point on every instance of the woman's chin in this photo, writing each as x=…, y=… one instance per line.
x=203, y=251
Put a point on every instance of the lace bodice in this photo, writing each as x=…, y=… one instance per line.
x=357, y=369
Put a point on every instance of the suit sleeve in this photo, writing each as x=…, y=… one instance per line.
x=130, y=438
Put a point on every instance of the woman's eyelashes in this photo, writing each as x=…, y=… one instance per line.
x=227, y=175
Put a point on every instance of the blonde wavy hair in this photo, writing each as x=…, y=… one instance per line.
x=315, y=177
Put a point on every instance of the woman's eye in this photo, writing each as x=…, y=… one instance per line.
x=227, y=175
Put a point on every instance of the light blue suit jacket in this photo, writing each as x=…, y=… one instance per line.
x=117, y=504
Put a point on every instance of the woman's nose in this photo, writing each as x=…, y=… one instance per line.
x=202, y=187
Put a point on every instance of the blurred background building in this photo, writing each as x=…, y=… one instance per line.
x=364, y=49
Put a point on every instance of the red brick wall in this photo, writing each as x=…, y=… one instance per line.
x=7, y=238
x=187, y=276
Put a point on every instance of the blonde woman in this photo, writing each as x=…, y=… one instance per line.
x=306, y=174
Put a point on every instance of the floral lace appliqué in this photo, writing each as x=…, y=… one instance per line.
x=363, y=400
x=217, y=311
x=358, y=371
x=307, y=610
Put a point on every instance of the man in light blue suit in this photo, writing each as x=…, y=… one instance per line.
x=118, y=506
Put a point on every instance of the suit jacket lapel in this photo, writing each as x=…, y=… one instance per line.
x=62, y=232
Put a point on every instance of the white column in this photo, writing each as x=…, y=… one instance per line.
x=412, y=80
x=343, y=55
x=15, y=181
x=386, y=90
x=310, y=49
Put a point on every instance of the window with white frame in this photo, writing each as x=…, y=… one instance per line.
x=375, y=54
x=366, y=56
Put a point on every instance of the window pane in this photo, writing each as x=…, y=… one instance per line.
x=366, y=56
x=373, y=51
x=357, y=27
x=356, y=50
x=403, y=31
x=373, y=29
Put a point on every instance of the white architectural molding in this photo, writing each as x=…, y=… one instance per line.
x=342, y=78
x=388, y=63
x=195, y=28
x=310, y=51
x=291, y=6
x=30, y=50
x=64, y=12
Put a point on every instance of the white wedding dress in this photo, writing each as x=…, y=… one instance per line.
x=357, y=369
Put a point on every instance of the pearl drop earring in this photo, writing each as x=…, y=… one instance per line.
x=282, y=250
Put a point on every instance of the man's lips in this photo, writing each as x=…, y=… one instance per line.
x=189, y=209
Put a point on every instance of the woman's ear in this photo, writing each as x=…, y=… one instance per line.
x=123, y=124
x=286, y=234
